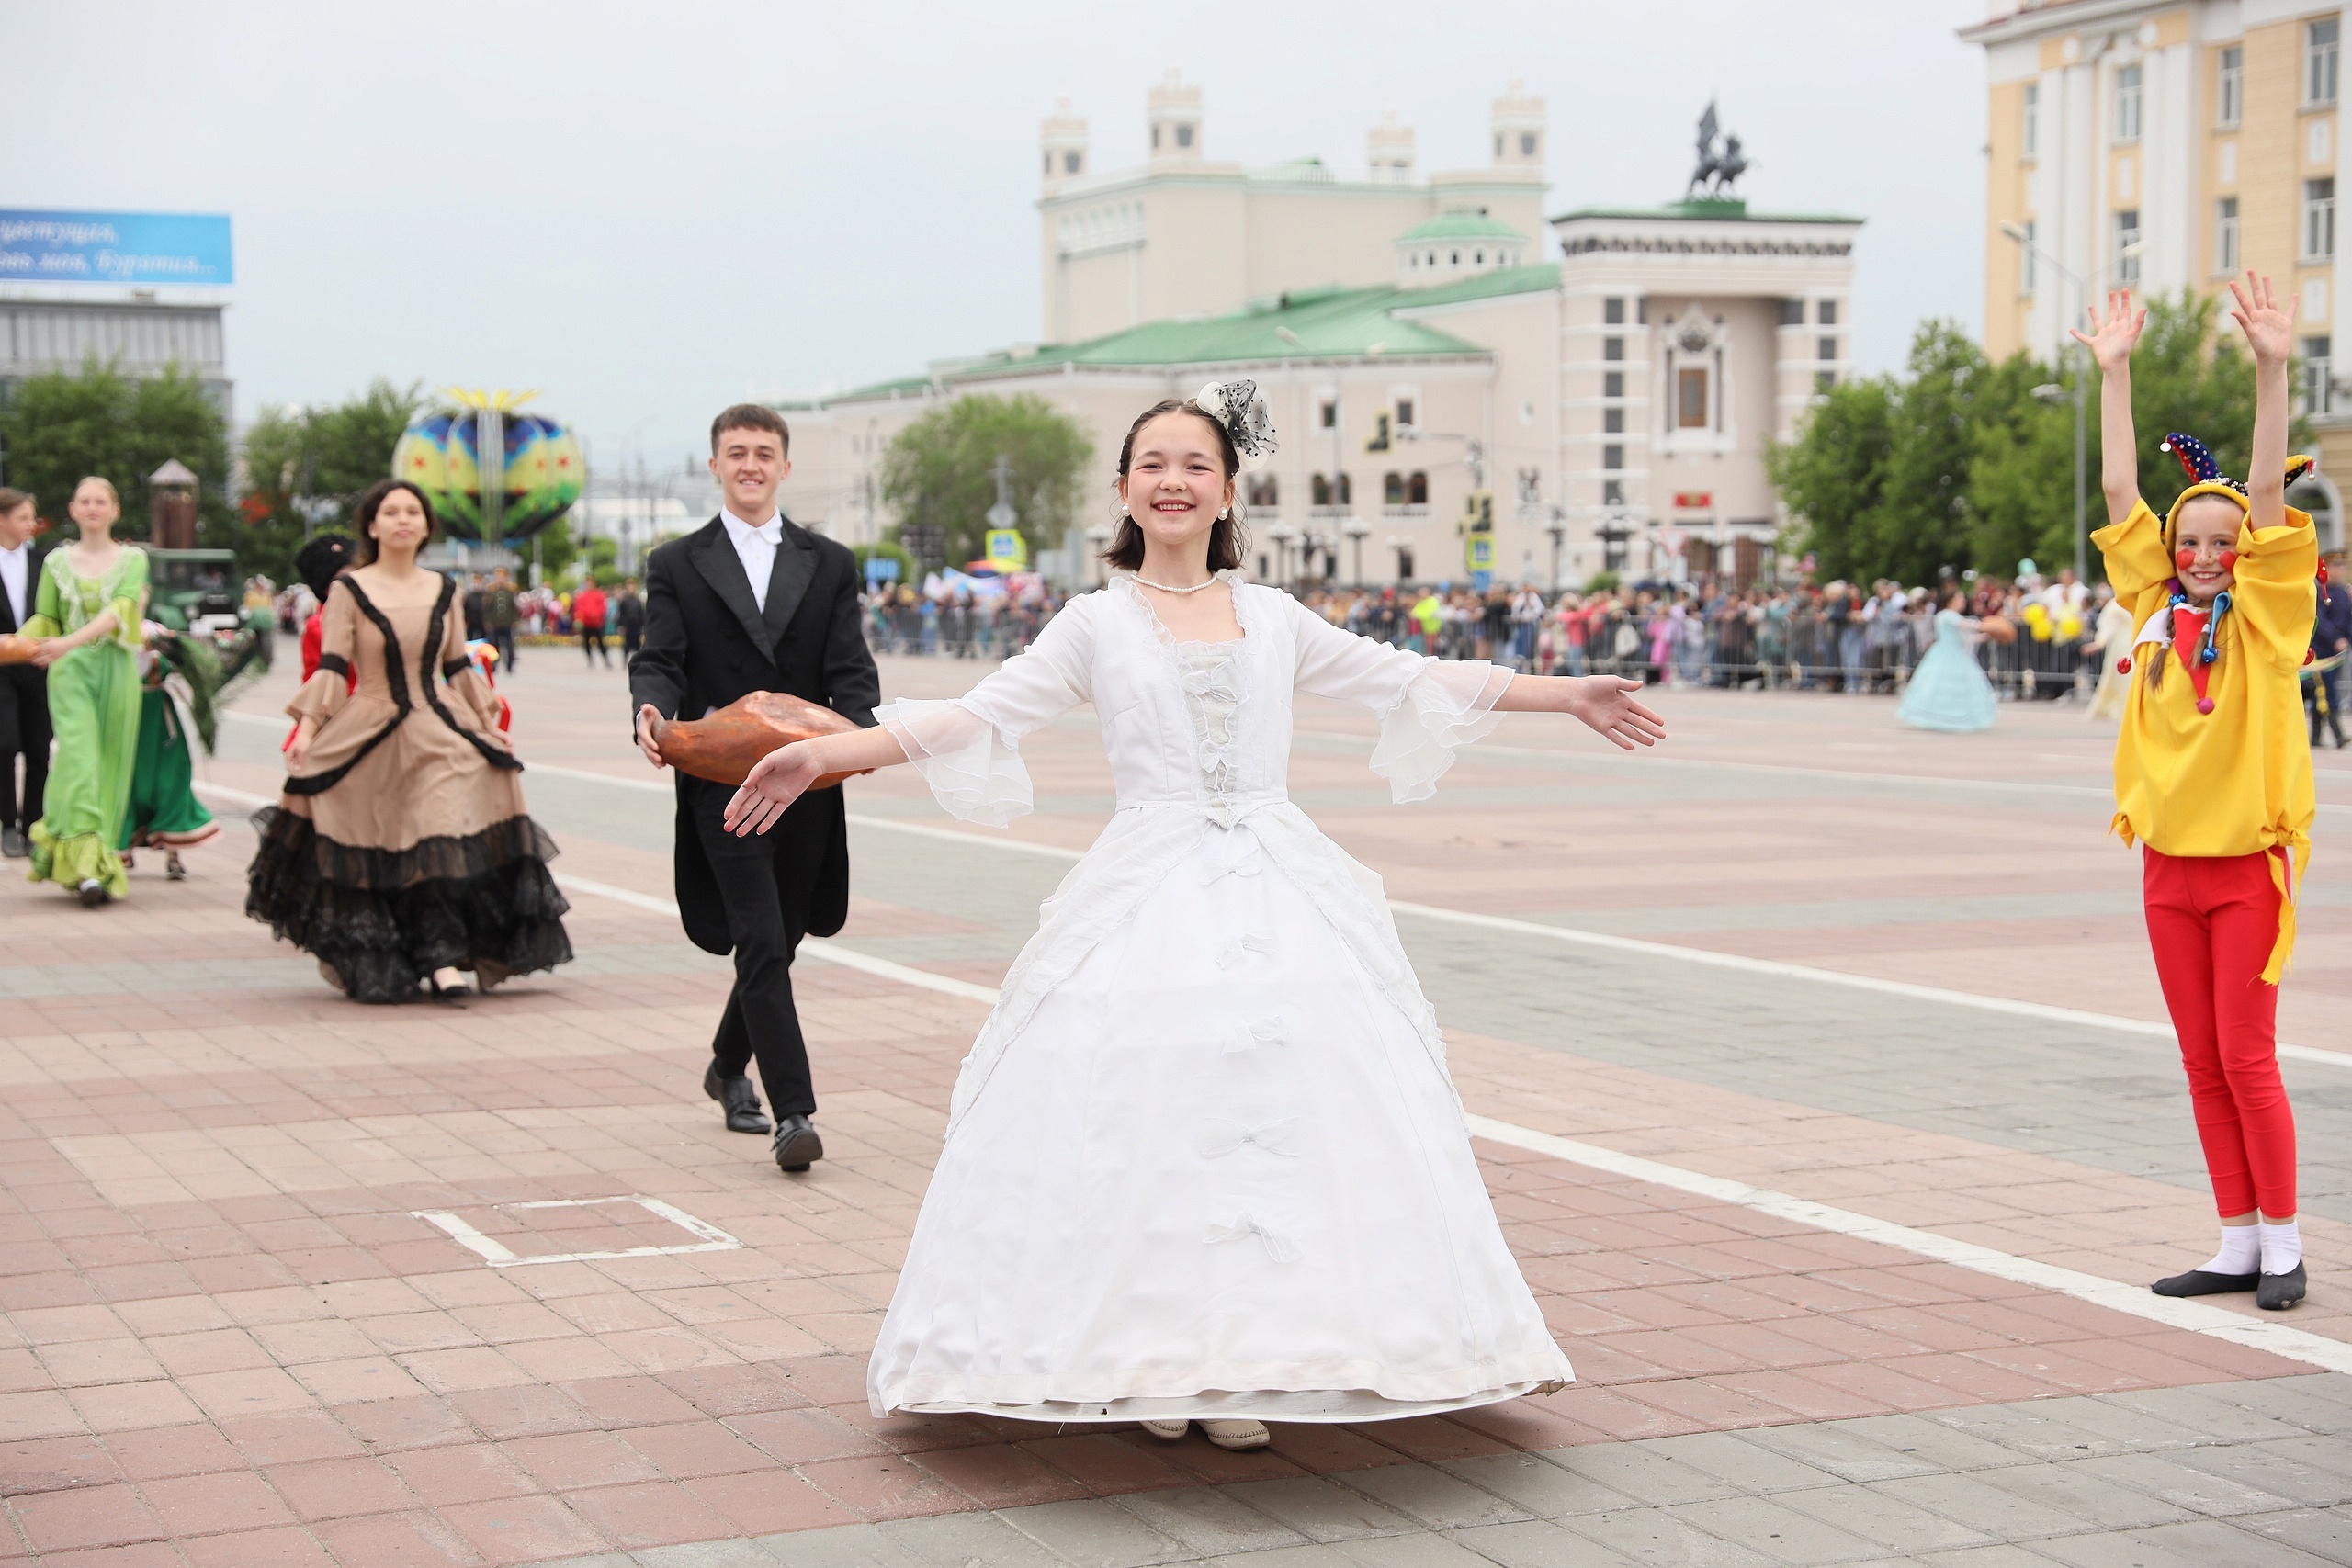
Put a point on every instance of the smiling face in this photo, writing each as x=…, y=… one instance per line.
x=749, y=464
x=2205, y=546
x=399, y=526
x=1176, y=484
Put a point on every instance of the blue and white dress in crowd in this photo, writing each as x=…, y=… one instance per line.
x=1948, y=690
x=1205, y=1159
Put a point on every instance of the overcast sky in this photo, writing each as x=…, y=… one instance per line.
x=650, y=210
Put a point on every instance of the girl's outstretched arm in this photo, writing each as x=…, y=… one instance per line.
x=2271, y=333
x=2111, y=342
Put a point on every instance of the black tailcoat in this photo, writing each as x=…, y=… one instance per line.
x=707, y=642
x=24, y=702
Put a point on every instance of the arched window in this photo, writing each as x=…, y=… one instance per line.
x=1392, y=488
x=1318, y=490
x=1346, y=492
x=1417, y=488
x=1264, y=494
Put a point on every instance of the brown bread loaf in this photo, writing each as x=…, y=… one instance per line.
x=724, y=745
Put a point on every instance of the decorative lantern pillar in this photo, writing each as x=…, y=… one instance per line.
x=171, y=500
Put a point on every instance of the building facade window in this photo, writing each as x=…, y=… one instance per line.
x=1829, y=350
x=1793, y=312
x=2032, y=127
x=1392, y=488
x=1612, y=422
x=2127, y=234
x=1823, y=380
x=1404, y=413
x=1265, y=494
x=1527, y=144
x=1328, y=414
x=1612, y=384
x=1612, y=349
x=2225, y=236
x=1612, y=310
x=1691, y=398
x=1417, y=488
x=2320, y=45
x=2127, y=104
x=1613, y=457
x=1404, y=566
x=1612, y=492
x=2319, y=220
x=2229, y=86
x=1828, y=313
x=2319, y=376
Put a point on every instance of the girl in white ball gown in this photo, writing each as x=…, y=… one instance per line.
x=1204, y=1162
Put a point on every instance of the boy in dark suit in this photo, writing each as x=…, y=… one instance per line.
x=751, y=602
x=24, y=688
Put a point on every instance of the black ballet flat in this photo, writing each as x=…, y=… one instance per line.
x=2199, y=1283
x=442, y=993
x=2278, y=1292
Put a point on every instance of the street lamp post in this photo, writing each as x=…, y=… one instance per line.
x=1357, y=530
x=1558, y=528
x=2051, y=392
x=1283, y=535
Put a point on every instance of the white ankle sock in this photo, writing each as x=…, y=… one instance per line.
x=2282, y=1247
x=2240, y=1251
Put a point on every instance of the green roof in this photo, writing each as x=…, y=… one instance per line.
x=1705, y=209
x=1461, y=226
x=1317, y=323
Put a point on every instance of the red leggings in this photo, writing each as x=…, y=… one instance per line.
x=2211, y=921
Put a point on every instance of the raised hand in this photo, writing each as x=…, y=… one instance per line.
x=774, y=782
x=2111, y=341
x=1605, y=703
x=2270, y=330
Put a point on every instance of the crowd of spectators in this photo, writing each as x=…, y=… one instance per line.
x=1832, y=637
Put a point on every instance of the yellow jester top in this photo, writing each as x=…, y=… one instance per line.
x=2236, y=781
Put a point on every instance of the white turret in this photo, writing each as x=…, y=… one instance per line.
x=1063, y=138
x=1519, y=128
x=1389, y=150
x=1175, y=115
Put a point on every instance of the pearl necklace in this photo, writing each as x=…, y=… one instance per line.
x=1164, y=588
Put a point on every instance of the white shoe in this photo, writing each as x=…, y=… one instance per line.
x=1167, y=1431
x=1236, y=1435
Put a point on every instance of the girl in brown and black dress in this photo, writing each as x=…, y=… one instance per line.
x=401, y=852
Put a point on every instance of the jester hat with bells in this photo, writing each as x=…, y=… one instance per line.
x=2193, y=633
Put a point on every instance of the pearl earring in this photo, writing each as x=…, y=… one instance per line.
x=1223, y=515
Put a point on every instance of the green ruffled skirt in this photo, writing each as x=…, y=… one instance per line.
x=94, y=695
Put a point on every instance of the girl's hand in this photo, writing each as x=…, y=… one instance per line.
x=1605, y=705
x=774, y=782
x=2270, y=330
x=298, y=751
x=2112, y=340
x=50, y=650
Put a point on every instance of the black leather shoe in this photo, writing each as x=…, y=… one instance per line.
x=738, y=1097
x=2278, y=1292
x=2197, y=1282
x=796, y=1144
x=12, y=842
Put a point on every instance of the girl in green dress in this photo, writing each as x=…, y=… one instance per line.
x=88, y=613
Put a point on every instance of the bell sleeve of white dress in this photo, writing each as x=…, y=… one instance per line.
x=1428, y=707
x=968, y=749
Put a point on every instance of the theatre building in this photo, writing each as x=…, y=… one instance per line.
x=1464, y=389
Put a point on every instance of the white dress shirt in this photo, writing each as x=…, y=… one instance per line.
x=755, y=548
x=16, y=573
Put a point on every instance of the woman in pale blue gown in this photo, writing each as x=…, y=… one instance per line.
x=1949, y=690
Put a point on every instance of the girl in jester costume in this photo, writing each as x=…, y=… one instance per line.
x=2213, y=776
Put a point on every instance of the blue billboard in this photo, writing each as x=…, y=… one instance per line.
x=114, y=247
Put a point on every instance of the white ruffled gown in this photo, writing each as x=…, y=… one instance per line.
x=1204, y=1159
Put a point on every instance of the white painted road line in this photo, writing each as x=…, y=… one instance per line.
x=1772, y=968
x=2257, y=1334
x=2137, y=1300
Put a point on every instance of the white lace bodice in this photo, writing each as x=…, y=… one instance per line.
x=1200, y=726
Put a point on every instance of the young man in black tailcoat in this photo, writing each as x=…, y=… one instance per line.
x=751, y=601
x=24, y=688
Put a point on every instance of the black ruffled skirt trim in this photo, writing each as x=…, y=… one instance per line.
x=385, y=918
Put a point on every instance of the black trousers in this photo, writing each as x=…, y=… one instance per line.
x=24, y=731
x=631, y=638
x=503, y=639
x=2332, y=684
x=592, y=643
x=768, y=890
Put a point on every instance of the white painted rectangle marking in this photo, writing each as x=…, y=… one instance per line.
x=498, y=1255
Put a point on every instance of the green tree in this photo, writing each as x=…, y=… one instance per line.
x=60, y=427
x=319, y=461
x=942, y=469
x=1833, y=475
x=2021, y=482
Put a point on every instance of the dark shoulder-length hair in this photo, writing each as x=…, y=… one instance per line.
x=1228, y=538
x=363, y=548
